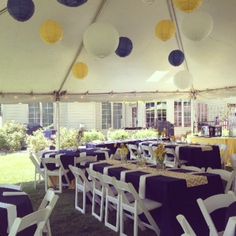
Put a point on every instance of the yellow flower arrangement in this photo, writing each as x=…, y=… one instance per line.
x=123, y=151
x=160, y=153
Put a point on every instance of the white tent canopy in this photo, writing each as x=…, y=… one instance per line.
x=32, y=70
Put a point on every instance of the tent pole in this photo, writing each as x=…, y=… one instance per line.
x=193, y=114
x=58, y=124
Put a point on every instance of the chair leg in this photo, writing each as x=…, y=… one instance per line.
x=35, y=179
x=135, y=224
x=46, y=182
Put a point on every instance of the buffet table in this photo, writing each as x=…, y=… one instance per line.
x=229, y=141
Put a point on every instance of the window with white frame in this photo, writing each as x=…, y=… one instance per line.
x=155, y=111
x=182, y=113
x=41, y=113
x=202, y=112
x=112, y=115
x=0, y=109
x=34, y=113
x=47, y=114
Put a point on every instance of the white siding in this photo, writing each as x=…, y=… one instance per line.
x=98, y=116
x=16, y=112
x=141, y=114
x=82, y=114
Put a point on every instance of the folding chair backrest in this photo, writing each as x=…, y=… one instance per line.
x=109, y=182
x=188, y=230
x=145, y=150
x=79, y=175
x=50, y=199
x=96, y=178
x=133, y=149
x=192, y=168
x=34, y=160
x=213, y=203
x=39, y=217
x=225, y=175
x=230, y=227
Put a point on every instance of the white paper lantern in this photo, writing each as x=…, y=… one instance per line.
x=148, y=1
x=183, y=80
x=197, y=25
x=101, y=39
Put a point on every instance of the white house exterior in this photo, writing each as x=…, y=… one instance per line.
x=101, y=116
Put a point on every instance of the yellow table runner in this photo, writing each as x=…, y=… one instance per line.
x=191, y=180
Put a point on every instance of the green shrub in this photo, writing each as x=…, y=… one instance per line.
x=38, y=142
x=68, y=138
x=93, y=135
x=145, y=134
x=12, y=136
x=118, y=134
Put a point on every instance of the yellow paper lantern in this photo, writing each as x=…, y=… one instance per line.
x=80, y=70
x=188, y=5
x=51, y=32
x=165, y=30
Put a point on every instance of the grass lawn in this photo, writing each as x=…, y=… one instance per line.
x=65, y=220
x=16, y=168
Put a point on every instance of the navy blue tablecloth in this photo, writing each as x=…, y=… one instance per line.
x=23, y=207
x=175, y=197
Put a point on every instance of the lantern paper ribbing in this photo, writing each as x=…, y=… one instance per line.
x=51, y=32
x=197, y=25
x=20, y=10
x=72, y=3
x=188, y=5
x=176, y=57
x=80, y=70
x=125, y=47
x=165, y=30
x=101, y=39
x=183, y=80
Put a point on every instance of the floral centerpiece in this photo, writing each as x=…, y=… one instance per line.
x=123, y=152
x=160, y=153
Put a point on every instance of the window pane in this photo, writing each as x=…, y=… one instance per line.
x=34, y=113
x=178, y=113
x=47, y=110
x=106, y=115
x=150, y=114
x=117, y=115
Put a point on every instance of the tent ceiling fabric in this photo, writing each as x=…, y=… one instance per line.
x=33, y=69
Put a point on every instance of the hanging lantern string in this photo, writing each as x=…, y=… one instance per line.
x=173, y=17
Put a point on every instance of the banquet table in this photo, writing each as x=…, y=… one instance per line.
x=173, y=193
x=12, y=207
x=196, y=155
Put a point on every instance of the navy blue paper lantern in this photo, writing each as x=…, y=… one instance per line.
x=72, y=3
x=125, y=47
x=176, y=57
x=20, y=10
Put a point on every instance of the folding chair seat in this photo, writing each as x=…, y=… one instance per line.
x=98, y=193
x=136, y=208
x=82, y=184
x=227, y=176
x=213, y=203
x=53, y=167
x=188, y=230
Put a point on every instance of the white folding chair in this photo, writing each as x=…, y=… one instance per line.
x=112, y=200
x=83, y=159
x=213, y=203
x=145, y=149
x=225, y=175
x=192, y=168
x=98, y=193
x=134, y=151
x=135, y=208
x=57, y=170
x=82, y=184
x=38, y=218
x=38, y=171
x=50, y=199
x=188, y=230
x=230, y=228
x=223, y=153
x=171, y=159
